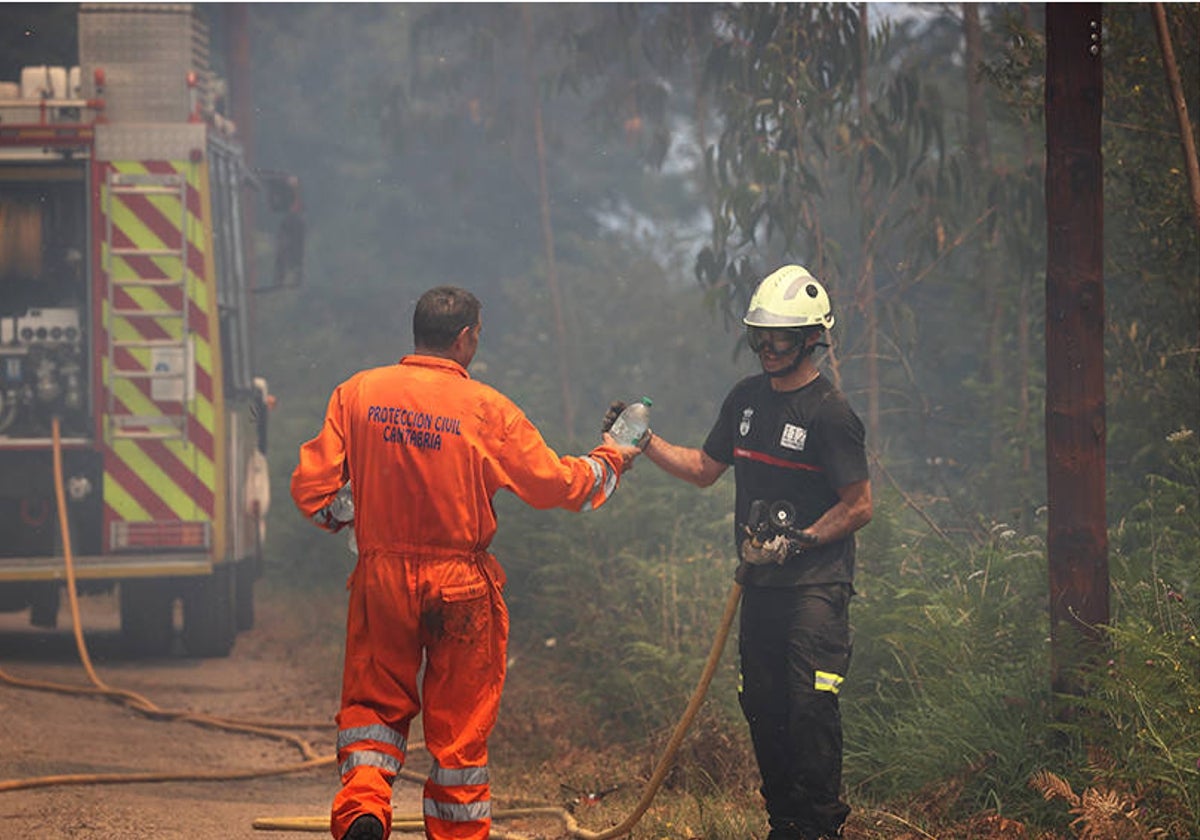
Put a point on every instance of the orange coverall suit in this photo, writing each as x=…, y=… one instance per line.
x=426, y=447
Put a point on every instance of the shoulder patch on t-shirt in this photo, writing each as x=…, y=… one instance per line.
x=793, y=437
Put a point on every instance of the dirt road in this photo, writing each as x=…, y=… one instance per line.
x=287, y=668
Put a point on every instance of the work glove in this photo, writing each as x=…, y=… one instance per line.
x=338, y=513
x=774, y=550
x=610, y=417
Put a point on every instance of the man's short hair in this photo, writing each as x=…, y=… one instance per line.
x=441, y=314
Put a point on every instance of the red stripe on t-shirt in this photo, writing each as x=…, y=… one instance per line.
x=764, y=458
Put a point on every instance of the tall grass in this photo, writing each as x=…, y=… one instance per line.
x=948, y=711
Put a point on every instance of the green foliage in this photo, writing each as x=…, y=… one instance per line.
x=949, y=678
x=1152, y=285
x=1144, y=708
x=419, y=171
x=632, y=592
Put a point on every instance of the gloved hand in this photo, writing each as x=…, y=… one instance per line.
x=614, y=411
x=338, y=513
x=774, y=550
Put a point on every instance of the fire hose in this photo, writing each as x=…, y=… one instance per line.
x=652, y=786
x=310, y=758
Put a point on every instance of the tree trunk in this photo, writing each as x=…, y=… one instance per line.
x=1024, y=333
x=977, y=136
x=1179, y=103
x=1077, y=539
x=980, y=157
x=867, y=277
x=539, y=137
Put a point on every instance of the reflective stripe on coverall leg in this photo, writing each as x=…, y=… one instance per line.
x=457, y=802
x=425, y=449
x=379, y=687
x=466, y=658
x=369, y=757
x=452, y=607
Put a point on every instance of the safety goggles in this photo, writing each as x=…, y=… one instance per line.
x=778, y=342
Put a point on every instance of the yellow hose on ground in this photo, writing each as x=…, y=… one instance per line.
x=137, y=701
x=573, y=828
x=311, y=759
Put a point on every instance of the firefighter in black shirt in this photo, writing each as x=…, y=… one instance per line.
x=798, y=456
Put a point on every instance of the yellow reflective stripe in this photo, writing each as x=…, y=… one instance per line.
x=194, y=459
x=124, y=506
x=203, y=355
x=210, y=409
x=825, y=681
x=129, y=223
x=180, y=503
x=190, y=455
x=200, y=464
x=202, y=408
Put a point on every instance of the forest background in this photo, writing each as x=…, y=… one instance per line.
x=611, y=180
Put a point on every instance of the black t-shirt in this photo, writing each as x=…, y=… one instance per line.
x=798, y=446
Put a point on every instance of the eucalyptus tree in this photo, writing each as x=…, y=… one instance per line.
x=573, y=100
x=1152, y=249
x=831, y=151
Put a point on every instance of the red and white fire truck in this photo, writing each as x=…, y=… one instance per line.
x=126, y=335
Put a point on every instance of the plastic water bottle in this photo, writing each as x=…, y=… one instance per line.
x=630, y=428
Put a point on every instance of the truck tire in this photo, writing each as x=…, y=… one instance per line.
x=147, y=617
x=209, y=614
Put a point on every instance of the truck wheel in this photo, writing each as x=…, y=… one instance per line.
x=244, y=592
x=147, y=617
x=209, y=619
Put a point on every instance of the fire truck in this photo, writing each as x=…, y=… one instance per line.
x=126, y=337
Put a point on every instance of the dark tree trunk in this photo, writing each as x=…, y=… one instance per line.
x=870, y=222
x=1077, y=539
x=989, y=274
x=539, y=138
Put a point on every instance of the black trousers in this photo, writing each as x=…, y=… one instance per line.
x=795, y=649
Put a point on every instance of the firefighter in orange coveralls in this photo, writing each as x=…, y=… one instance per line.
x=425, y=448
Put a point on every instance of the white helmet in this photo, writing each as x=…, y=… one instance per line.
x=787, y=298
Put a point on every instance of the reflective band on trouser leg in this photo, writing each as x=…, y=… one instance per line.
x=464, y=677
x=825, y=681
x=369, y=757
x=458, y=803
x=450, y=777
x=374, y=745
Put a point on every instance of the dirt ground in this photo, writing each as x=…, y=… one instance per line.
x=286, y=669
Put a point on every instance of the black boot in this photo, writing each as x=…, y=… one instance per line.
x=786, y=830
x=366, y=827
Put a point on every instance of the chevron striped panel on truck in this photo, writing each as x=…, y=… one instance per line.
x=160, y=491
